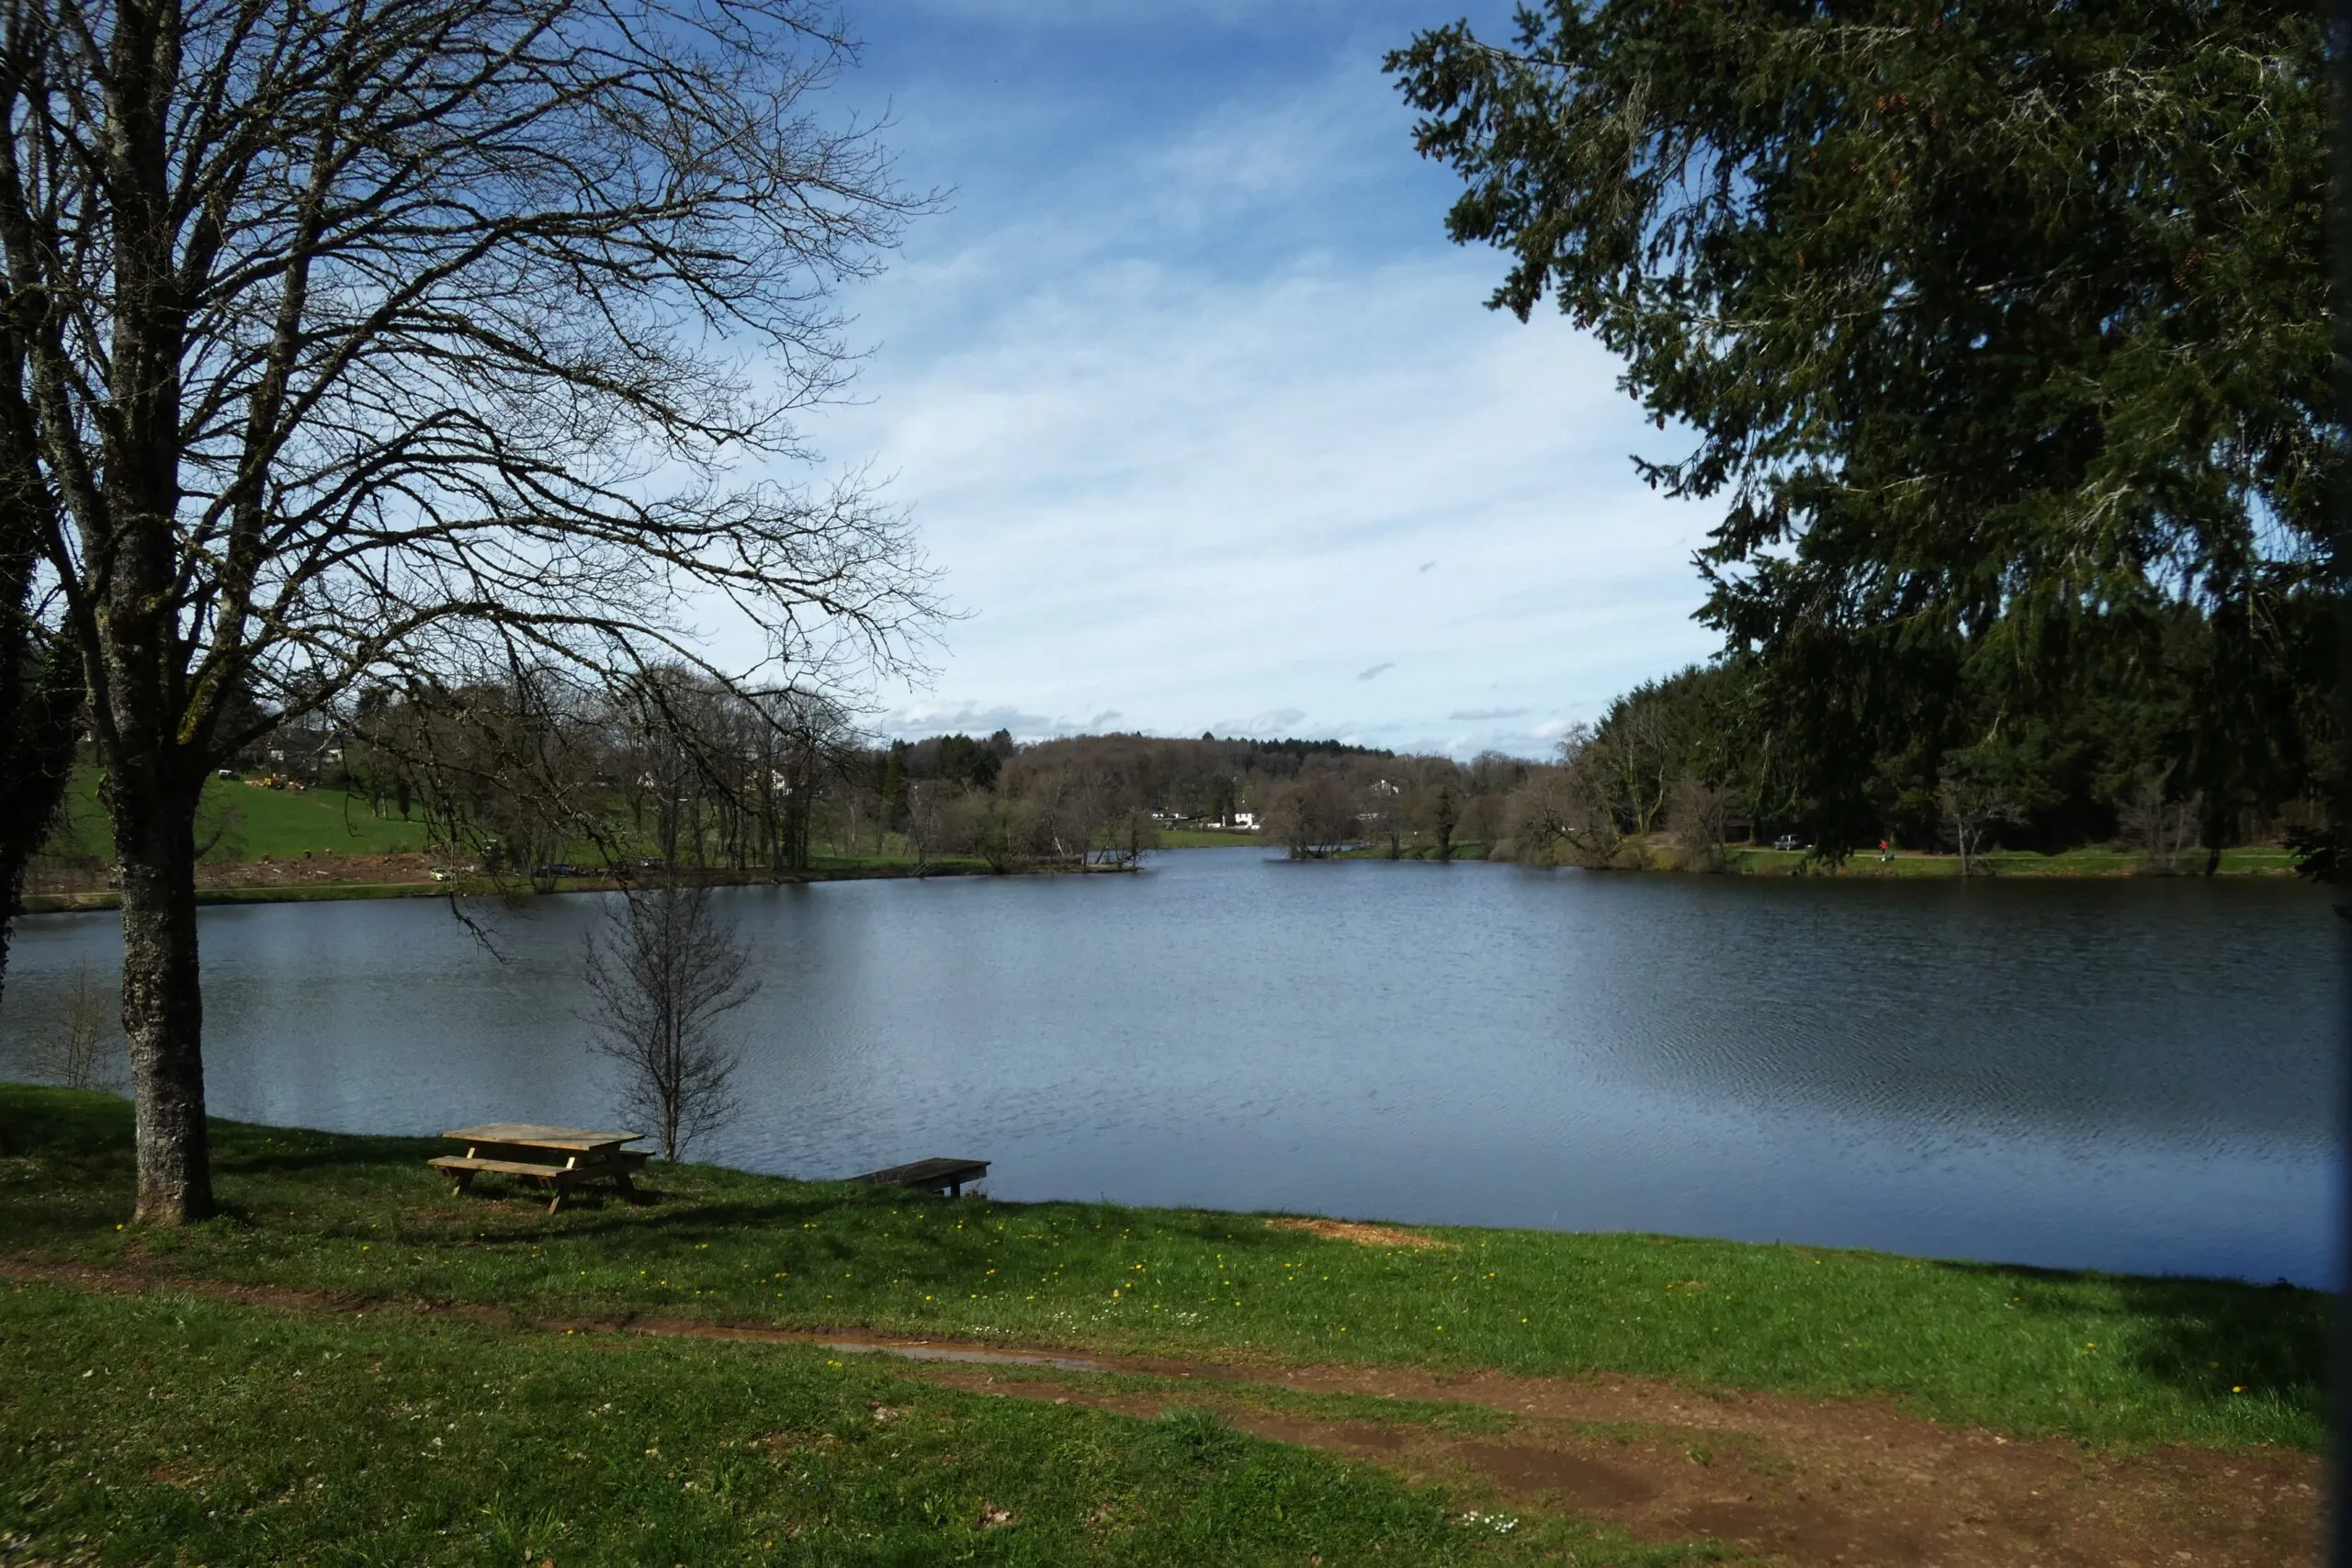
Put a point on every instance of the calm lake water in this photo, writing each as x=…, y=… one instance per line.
x=2125, y=1075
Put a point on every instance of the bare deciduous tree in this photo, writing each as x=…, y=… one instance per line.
x=1121, y=840
x=1555, y=819
x=934, y=818
x=85, y=1051
x=354, y=346
x=1436, y=812
x=1699, y=813
x=1002, y=831
x=666, y=970
x=2160, y=830
x=1313, y=815
x=1972, y=806
x=1563, y=814
x=1630, y=761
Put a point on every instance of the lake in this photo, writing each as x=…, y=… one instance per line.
x=2124, y=1075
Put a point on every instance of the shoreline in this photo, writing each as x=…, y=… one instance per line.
x=1755, y=860
x=1748, y=862
x=98, y=899
x=1197, y=1282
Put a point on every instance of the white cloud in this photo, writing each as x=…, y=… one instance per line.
x=970, y=719
x=1178, y=470
x=1272, y=724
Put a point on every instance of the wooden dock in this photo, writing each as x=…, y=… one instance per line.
x=946, y=1176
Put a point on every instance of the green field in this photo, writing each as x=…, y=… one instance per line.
x=2108, y=1359
x=1205, y=839
x=1749, y=859
x=350, y=1365
x=256, y=823
x=173, y=1429
x=253, y=823
x=1757, y=862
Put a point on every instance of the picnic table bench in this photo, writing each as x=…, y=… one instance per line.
x=562, y=1158
x=946, y=1176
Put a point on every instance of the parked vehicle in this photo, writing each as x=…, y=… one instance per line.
x=1788, y=842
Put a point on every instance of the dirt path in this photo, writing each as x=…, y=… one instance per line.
x=1788, y=1479
x=1783, y=1479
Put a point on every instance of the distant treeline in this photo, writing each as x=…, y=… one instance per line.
x=530, y=775
x=1945, y=753
x=536, y=774
x=2129, y=749
x=1999, y=338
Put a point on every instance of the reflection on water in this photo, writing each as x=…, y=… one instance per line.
x=2118, y=1075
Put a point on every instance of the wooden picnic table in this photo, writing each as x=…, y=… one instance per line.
x=563, y=1157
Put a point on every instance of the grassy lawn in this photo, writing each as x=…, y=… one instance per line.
x=2257, y=860
x=1206, y=838
x=170, y=1430
x=2108, y=1359
x=281, y=825
x=257, y=823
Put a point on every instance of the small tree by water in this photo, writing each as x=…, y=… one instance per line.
x=86, y=1049
x=2160, y=828
x=666, y=970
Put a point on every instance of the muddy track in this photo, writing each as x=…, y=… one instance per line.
x=1785, y=1478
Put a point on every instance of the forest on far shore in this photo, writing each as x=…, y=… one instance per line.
x=533, y=773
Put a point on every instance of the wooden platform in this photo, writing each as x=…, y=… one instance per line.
x=946, y=1176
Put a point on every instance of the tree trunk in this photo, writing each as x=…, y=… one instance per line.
x=163, y=1006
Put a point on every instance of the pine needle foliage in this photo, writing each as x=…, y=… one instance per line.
x=2003, y=331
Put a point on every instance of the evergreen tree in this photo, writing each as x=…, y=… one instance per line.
x=2003, y=330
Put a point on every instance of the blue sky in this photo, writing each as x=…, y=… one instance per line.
x=1203, y=418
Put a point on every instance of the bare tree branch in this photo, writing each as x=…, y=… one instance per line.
x=413, y=342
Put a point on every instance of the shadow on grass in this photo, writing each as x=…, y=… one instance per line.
x=51, y=1122
x=246, y=1155
x=93, y=1131
x=884, y=1232
x=663, y=1219
x=2208, y=1340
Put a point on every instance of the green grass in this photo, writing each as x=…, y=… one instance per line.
x=166, y=1428
x=1205, y=839
x=2108, y=1359
x=1752, y=861
x=268, y=893
x=256, y=823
